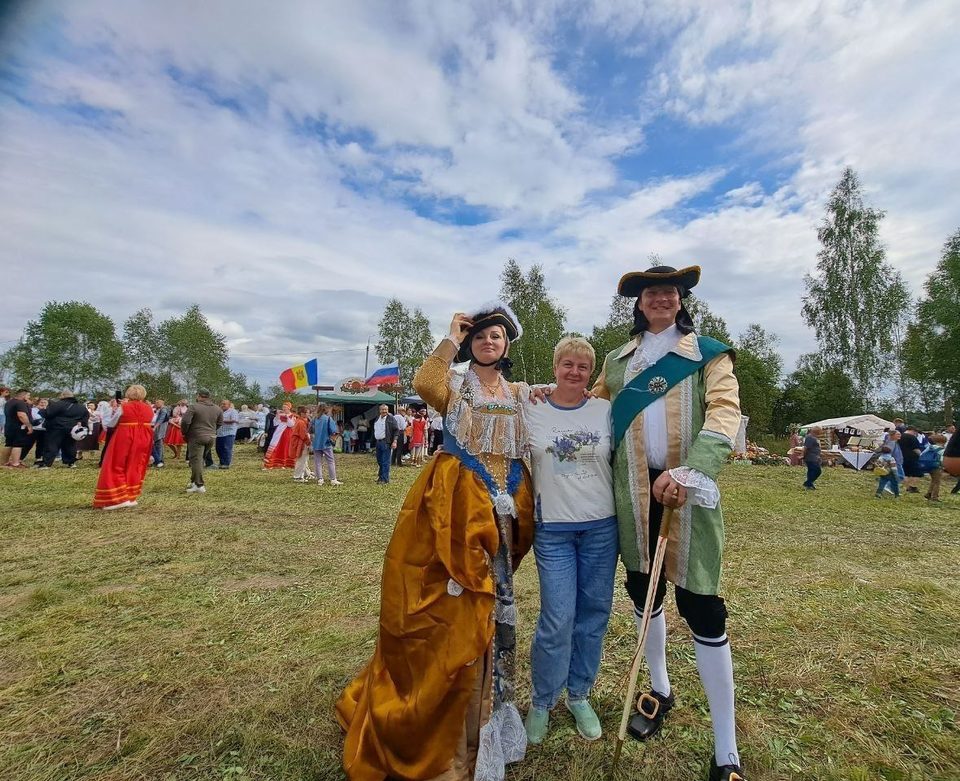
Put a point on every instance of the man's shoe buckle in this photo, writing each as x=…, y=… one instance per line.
x=646, y=701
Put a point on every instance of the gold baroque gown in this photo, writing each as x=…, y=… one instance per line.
x=435, y=703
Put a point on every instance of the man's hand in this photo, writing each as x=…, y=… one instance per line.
x=393, y=445
x=668, y=491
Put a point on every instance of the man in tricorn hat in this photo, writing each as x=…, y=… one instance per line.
x=673, y=430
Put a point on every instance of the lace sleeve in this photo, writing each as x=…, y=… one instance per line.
x=703, y=491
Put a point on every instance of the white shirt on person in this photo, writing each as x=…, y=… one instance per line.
x=380, y=428
x=570, y=448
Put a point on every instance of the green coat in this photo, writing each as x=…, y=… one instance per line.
x=703, y=418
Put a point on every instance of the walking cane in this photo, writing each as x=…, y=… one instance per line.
x=647, y=705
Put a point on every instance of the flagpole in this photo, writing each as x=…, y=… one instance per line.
x=366, y=361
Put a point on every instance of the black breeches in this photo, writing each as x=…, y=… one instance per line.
x=705, y=614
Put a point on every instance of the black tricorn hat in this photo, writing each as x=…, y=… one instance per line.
x=633, y=283
x=494, y=313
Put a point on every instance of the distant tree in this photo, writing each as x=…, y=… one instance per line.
x=919, y=362
x=70, y=345
x=939, y=316
x=405, y=337
x=758, y=367
x=543, y=321
x=615, y=331
x=194, y=353
x=706, y=322
x=815, y=390
x=854, y=299
x=420, y=344
x=141, y=343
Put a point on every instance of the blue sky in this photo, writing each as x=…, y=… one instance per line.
x=291, y=168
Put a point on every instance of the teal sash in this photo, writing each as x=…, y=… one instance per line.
x=654, y=381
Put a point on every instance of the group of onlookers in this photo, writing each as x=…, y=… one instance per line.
x=54, y=429
x=907, y=455
x=904, y=457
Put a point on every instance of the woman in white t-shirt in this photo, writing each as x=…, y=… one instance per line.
x=575, y=540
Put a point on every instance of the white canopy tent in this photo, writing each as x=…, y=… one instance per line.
x=868, y=424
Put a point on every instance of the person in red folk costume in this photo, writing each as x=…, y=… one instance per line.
x=125, y=462
x=278, y=454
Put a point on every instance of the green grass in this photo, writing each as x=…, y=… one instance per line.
x=208, y=637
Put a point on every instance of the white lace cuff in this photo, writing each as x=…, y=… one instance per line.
x=702, y=490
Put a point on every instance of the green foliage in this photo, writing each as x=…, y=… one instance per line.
x=194, y=354
x=543, y=321
x=936, y=358
x=758, y=367
x=706, y=322
x=816, y=390
x=405, y=337
x=141, y=343
x=855, y=299
x=70, y=345
x=614, y=332
x=920, y=363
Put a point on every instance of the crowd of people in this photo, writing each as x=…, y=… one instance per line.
x=904, y=457
x=65, y=429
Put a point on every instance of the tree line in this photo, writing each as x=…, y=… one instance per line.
x=72, y=345
x=878, y=350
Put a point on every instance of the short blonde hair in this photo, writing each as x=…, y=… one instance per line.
x=136, y=392
x=574, y=345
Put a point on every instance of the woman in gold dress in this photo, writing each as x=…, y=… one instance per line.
x=436, y=701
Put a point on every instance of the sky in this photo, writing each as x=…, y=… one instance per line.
x=292, y=166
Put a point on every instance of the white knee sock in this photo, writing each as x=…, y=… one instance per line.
x=715, y=665
x=655, y=652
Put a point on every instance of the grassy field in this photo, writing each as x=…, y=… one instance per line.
x=207, y=637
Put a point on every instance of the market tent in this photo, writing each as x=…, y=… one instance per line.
x=868, y=424
x=358, y=398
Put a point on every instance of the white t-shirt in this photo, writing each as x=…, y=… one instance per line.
x=572, y=475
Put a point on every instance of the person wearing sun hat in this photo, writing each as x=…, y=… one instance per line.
x=675, y=414
x=436, y=701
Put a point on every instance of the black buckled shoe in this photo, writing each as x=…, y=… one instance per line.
x=653, y=709
x=726, y=772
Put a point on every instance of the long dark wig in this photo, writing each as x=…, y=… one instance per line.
x=684, y=321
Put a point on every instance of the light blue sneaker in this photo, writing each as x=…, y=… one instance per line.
x=588, y=725
x=536, y=723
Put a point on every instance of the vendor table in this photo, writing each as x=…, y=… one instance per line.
x=857, y=459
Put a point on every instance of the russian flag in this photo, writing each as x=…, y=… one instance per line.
x=302, y=376
x=385, y=375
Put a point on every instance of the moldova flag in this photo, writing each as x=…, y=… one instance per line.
x=302, y=376
x=385, y=375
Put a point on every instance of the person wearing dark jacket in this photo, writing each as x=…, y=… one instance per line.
x=199, y=425
x=60, y=417
x=911, y=448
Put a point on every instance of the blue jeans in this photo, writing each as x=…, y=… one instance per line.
x=383, y=460
x=813, y=472
x=225, y=449
x=576, y=594
x=888, y=480
x=157, y=451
